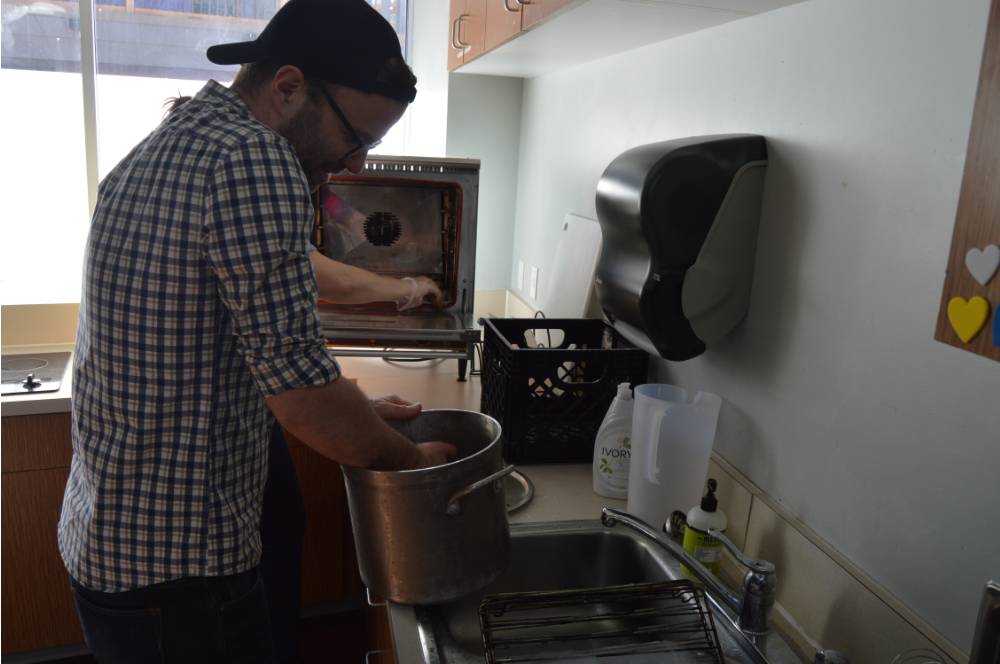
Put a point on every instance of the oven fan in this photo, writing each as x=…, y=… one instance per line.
x=383, y=228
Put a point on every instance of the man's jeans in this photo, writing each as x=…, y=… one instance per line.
x=191, y=621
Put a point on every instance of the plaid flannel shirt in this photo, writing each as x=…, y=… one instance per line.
x=198, y=301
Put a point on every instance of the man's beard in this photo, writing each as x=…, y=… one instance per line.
x=301, y=133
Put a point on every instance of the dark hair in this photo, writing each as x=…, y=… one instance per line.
x=171, y=104
x=396, y=72
x=253, y=75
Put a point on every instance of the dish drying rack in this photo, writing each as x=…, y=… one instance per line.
x=630, y=619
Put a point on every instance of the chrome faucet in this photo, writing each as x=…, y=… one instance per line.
x=759, y=584
x=986, y=641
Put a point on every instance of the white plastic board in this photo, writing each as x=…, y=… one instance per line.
x=566, y=289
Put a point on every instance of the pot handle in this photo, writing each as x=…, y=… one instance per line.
x=453, y=504
x=372, y=603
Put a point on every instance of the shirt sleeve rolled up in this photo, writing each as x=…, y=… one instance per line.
x=256, y=243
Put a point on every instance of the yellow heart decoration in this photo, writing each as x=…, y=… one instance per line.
x=968, y=317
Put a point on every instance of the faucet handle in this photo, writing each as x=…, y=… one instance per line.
x=760, y=566
x=759, y=588
x=830, y=657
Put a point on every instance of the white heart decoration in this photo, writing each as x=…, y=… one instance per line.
x=983, y=263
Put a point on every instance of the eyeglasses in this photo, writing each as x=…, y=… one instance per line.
x=360, y=143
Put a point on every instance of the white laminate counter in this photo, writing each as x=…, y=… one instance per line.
x=563, y=492
x=40, y=403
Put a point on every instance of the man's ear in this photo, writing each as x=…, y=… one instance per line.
x=288, y=91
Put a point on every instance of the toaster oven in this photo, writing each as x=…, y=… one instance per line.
x=400, y=217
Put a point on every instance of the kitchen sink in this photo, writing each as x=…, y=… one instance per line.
x=560, y=556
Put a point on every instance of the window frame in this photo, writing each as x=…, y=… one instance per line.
x=88, y=71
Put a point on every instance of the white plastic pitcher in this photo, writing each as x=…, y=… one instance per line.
x=672, y=438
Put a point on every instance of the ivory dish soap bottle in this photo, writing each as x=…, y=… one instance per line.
x=703, y=547
x=613, y=447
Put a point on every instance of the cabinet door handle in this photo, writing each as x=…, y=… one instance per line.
x=456, y=38
x=506, y=5
x=524, y=2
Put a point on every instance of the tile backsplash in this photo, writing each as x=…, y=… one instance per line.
x=823, y=599
x=38, y=324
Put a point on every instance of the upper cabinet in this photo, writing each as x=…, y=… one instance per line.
x=503, y=21
x=533, y=37
x=481, y=26
x=467, y=31
x=535, y=11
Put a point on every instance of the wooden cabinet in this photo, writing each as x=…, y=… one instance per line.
x=467, y=31
x=456, y=52
x=528, y=38
x=380, y=636
x=479, y=26
x=37, y=604
x=536, y=11
x=503, y=21
x=329, y=565
x=329, y=562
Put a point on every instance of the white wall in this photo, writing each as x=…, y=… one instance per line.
x=484, y=122
x=425, y=122
x=839, y=402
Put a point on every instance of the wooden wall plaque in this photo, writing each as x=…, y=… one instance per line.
x=977, y=222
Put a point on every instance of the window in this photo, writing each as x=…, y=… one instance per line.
x=146, y=52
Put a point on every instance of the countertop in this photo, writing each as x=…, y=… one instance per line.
x=40, y=403
x=563, y=492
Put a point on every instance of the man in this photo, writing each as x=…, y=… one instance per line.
x=198, y=322
x=283, y=511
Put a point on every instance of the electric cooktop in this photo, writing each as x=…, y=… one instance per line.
x=34, y=372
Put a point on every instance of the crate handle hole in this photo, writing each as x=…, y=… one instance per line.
x=544, y=337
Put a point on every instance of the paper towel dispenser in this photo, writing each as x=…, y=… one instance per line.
x=679, y=220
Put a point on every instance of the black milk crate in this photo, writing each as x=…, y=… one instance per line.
x=551, y=391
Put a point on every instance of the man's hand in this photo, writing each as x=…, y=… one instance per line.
x=435, y=454
x=341, y=423
x=422, y=289
x=394, y=407
x=430, y=292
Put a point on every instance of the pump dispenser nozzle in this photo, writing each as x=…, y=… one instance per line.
x=709, y=502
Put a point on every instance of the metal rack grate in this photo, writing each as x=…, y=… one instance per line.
x=631, y=619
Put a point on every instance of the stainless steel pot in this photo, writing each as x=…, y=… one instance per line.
x=433, y=534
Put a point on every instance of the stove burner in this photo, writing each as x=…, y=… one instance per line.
x=383, y=228
x=23, y=363
x=26, y=374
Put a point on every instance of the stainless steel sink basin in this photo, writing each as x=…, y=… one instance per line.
x=557, y=556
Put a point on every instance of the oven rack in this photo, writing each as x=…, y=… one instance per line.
x=630, y=619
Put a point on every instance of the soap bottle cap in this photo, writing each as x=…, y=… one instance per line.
x=709, y=502
x=625, y=391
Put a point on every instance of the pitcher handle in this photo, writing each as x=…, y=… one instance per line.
x=454, y=508
x=652, y=470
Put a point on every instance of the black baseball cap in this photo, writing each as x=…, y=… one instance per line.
x=341, y=41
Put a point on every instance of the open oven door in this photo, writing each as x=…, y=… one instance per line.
x=404, y=217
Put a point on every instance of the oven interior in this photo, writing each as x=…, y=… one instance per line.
x=403, y=216
x=395, y=227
